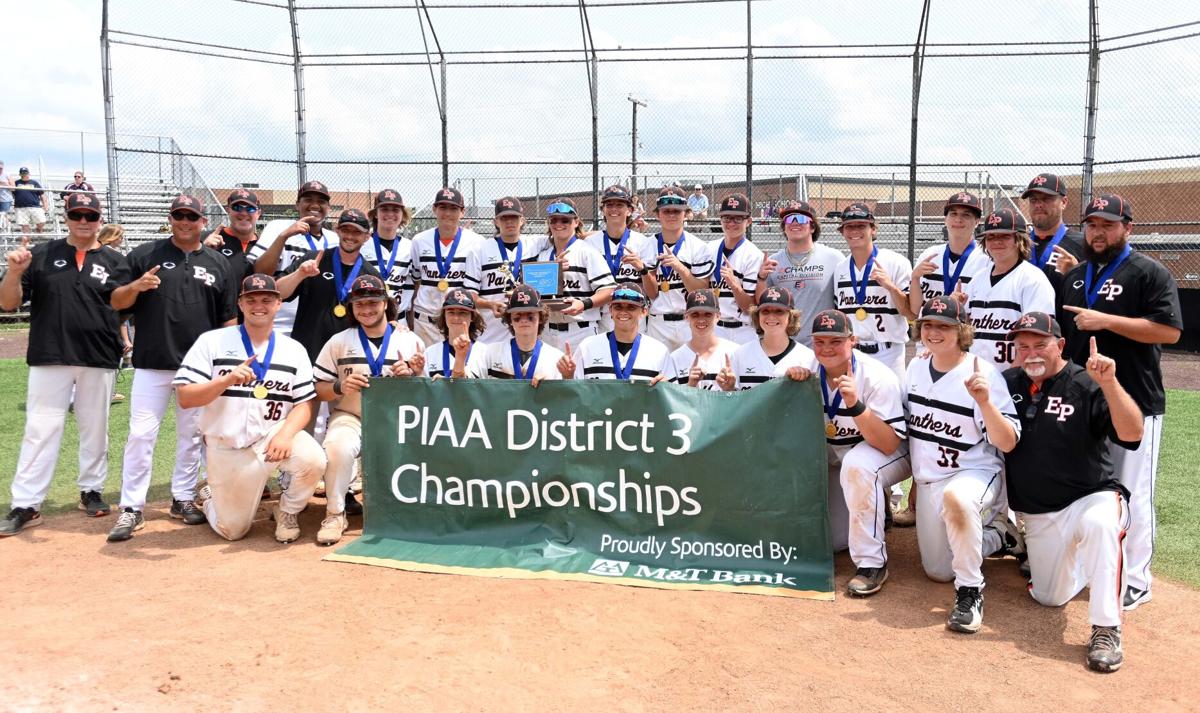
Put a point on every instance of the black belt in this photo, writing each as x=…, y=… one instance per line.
x=873, y=347
x=728, y=324
x=425, y=317
x=669, y=317
x=567, y=325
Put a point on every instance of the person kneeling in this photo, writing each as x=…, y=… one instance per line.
x=253, y=412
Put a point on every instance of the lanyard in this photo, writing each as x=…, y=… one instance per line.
x=312, y=245
x=614, y=264
x=948, y=280
x=1040, y=259
x=342, y=285
x=860, y=290
x=666, y=271
x=516, y=262
x=554, y=253
x=1092, y=284
x=258, y=367
x=447, y=362
x=623, y=372
x=831, y=407
x=375, y=363
x=385, y=268
x=721, y=258
x=516, y=359
x=444, y=265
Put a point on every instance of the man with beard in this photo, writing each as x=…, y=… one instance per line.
x=237, y=239
x=1056, y=250
x=1129, y=304
x=1060, y=477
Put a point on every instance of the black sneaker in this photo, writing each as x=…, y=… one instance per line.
x=353, y=507
x=1134, y=598
x=89, y=501
x=967, y=615
x=1104, y=649
x=867, y=581
x=19, y=519
x=187, y=511
x=128, y=522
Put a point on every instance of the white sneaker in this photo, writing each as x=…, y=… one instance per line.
x=287, y=526
x=332, y=528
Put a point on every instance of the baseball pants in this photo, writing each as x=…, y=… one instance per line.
x=953, y=515
x=426, y=330
x=738, y=335
x=573, y=335
x=1076, y=547
x=864, y=475
x=674, y=334
x=147, y=403
x=343, y=444
x=50, y=389
x=236, y=477
x=1137, y=471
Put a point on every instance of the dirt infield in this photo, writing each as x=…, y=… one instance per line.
x=178, y=619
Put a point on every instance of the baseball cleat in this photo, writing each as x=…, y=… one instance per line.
x=967, y=615
x=187, y=511
x=19, y=519
x=90, y=502
x=319, y=492
x=1134, y=598
x=904, y=518
x=128, y=522
x=332, y=529
x=287, y=526
x=203, y=495
x=1104, y=649
x=353, y=507
x=867, y=581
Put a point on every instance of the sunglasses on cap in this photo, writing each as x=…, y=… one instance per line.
x=244, y=208
x=561, y=208
x=83, y=215
x=797, y=219
x=185, y=215
x=671, y=200
x=627, y=294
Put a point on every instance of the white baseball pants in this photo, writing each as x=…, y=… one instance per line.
x=147, y=403
x=738, y=335
x=1076, y=547
x=46, y=404
x=425, y=330
x=864, y=475
x=674, y=334
x=343, y=444
x=236, y=477
x=891, y=355
x=951, y=517
x=1137, y=471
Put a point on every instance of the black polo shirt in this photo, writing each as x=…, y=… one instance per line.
x=198, y=292
x=1072, y=242
x=1063, y=452
x=1141, y=287
x=231, y=248
x=317, y=295
x=71, y=320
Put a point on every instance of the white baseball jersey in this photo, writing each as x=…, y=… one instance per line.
x=295, y=248
x=977, y=267
x=398, y=279
x=427, y=298
x=585, y=274
x=439, y=359
x=343, y=355
x=594, y=359
x=486, y=262
x=745, y=260
x=682, y=358
x=697, y=256
x=946, y=431
x=752, y=366
x=637, y=244
x=994, y=306
x=879, y=388
x=236, y=419
x=497, y=362
x=884, y=323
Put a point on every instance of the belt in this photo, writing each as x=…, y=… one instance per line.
x=668, y=317
x=424, y=317
x=729, y=324
x=564, y=326
x=873, y=347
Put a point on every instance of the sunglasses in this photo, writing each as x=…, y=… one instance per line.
x=629, y=296
x=733, y=219
x=797, y=219
x=244, y=208
x=187, y=215
x=562, y=208
x=671, y=200
x=83, y=215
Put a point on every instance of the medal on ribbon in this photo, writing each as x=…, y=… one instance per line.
x=259, y=368
x=375, y=362
x=385, y=267
x=1041, y=258
x=526, y=374
x=444, y=265
x=614, y=262
x=860, y=288
x=623, y=372
x=721, y=258
x=949, y=281
x=341, y=285
x=831, y=406
x=664, y=284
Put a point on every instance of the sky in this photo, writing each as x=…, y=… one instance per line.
x=815, y=115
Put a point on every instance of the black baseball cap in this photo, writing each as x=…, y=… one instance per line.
x=524, y=299
x=775, y=297
x=671, y=197
x=355, y=217
x=833, y=323
x=1109, y=206
x=23, y=170
x=857, y=213
x=942, y=309
x=241, y=195
x=734, y=204
x=459, y=298
x=794, y=207
x=186, y=202
x=966, y=200
x=1035, y=323
x=450, y=196
x=616, y=192
x=509, y=205
x=82, y=201
x=630, y=293
x=702, y=300
x=388, y=196
x=258, y=282
x=1003, y=220
x=1047, y=183
x=314, y=187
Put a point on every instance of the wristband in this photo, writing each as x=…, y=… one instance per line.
x=856, y=410
x=646, y=270
x=337, y=387
x=587, y=302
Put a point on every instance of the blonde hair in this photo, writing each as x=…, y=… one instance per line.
x=966, y=335
x=111, y=233
x=793, y=325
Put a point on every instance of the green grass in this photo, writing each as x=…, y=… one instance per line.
x=1177, y=499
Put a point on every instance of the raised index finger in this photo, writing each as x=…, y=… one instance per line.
x=25, y=241
x=1093, y=345
x=1073, y=308
x=320, y=254
x=153, y=270
x=977, y=366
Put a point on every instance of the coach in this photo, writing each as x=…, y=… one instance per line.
x=1130, y=304
x=1056, y=250
x=236, y=240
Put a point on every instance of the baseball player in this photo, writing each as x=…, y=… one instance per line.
x=73, y=346
x=459, y=325
x=940, y=269
x=1013, y=286
x=284, y=242
x=1060, y=477
x=866, y=436
x=1130, y=304
x=624, y=354
x=253, y=390
x=870, y=285
x=587, y=282
x=684, y=264
x=439, y=262
x=237, y=239
x=175, y=289
x=629, y=255
x=498, y=262
x=1055, y=250
x=961, y=420
x=372, y=347
x=697, y=362
x=803, y=267
x=736, y=265
x=389, y=251
x=775, y=353
x=523, y=355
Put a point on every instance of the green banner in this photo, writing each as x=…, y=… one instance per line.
x=662, y=486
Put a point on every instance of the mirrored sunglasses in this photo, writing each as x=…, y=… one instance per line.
x=560, y=208
x=797, y=219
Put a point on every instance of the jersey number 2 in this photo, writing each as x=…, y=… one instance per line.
x=949, y=457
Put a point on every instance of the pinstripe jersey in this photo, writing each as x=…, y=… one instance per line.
x=884, y=323
x=745, y=260
x=399, y=282
x=236, y=419
x=594, y=359
x=878, y=388
x=496, y=362
x=697, y=256
x=752, y=366
x=994, y=308
x=946, y=431
x=486, y=262
x=682, y=358
x=427, y=298
x=343, y=355
x=585, y=274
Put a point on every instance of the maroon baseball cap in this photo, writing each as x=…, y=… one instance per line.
x=449, y=196
x=1109, y=206
x=735, y=204
x=941, y=309
x=314, y=187
x=616, y=193
x=833, y=323
x=963, y=199
x=356, y=218
x=671, y=197
x=629, y=293
x=82, y=201
x=389, y=196
x=459, y=298
x=186, y=202
x=857, y=212
x=775, y=297
x=509, y=205
x=241, y=195
x=259, y=282
x=1035, y=323
x=1047, y=183
x=702, y=300
x=524, y=299
x=1003, y=220
x=794, y=207
x=367, y=287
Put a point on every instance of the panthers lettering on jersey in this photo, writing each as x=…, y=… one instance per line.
x=398, y=280
x=745, y=262
x=586, y=274
x=637, y=244
x=682, y=358
x=427, y=299
x=877, y=387
x=978, y=267
x=496, y=276
x=696, y=257
x=884, y=323
x=994, y=308
x=594, y=359
x=752, y=366
x=343, y=355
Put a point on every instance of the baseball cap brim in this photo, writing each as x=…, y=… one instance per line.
x=193, y=211
x=355, y=226
x=508, y=211
x=703, y=308
x=381, y=296
x=1039, y=189
x=263, y=291
x=1041, y=332
x=943, y=319
x=1115, y=217
x=523, y=308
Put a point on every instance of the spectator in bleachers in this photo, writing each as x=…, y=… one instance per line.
x=78, y=185
x=698, y=202
x=32, y=202
x=6, y=186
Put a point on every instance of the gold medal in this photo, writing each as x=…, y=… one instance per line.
x=830, y=430
x=339, y=311
x=664, y=287
x=860, y=314
x=260, y=392
x=443, y=285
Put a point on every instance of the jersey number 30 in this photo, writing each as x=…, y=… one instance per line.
x=949, y=457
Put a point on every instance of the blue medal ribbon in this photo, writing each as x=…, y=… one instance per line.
x=342, y=285
x=614, y=265
x=554, y=252
x=831, y=407
x=312, y=245
x=516, y=359
x=445, y=265
x=721, y=258
x=1040, y=259
x=258, y=367
x=516, y=262
x=623, y=372
x=860, y=290
x=1093, y=284
x=375, y=363
x=666, y=271
x=385, y=268
x=447, y=362
x=949, y=281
